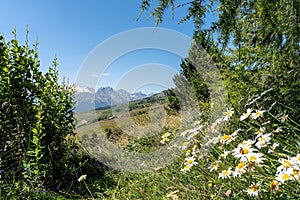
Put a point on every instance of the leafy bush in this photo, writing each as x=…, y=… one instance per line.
x=37, y=122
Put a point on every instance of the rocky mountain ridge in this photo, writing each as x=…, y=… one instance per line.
x=88, y=99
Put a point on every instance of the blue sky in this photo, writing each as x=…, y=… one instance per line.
x=72, y=29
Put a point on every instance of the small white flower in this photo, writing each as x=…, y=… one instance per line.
x=197, y=122
x=226, y=139
x=246, y=115
x=273, y=147
x=285, y=165
x=214, y=166
x=186, y=168
x=254, y=189
x=224, y=154
x=242, y=151
x=190, y=161
x=260, y=131
x=82, y=177
x=225, y=173
x=274, y=185
x=263, y=141
x=185, y=145
x=257, y=114
x=278, y=130
x=183, y=134
x=165, y=135
x=248, y=143
x=296, y=160
x=228, y=114
x=164, y=140
x=284, y=176
x=283, y=118
x=240, y=169
x=214, y=128
x=254, y=159
x=195, y=150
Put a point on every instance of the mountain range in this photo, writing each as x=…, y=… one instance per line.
x=88, y=99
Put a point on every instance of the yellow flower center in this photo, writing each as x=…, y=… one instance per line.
x=257, y=114
x=244, y=151
x=295, y=172
x=185, y=144
x=254, y=188
x=228, y=113
x=186, y=167
x=241, y=165
x=286, y=164
x=215, y=165
x=252, y=158
x=286, y=177
x=190, y=162
x=273, y=185
x=166, y=134
x=225, y=173
x=225, y=137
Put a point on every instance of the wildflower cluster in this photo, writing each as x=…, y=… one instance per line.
x=289, y=169
x=249, y=150
x=165, y=138
x=191, y=147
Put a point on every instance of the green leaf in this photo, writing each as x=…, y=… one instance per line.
x=5, y=69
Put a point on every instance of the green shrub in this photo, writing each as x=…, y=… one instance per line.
x=36, y=113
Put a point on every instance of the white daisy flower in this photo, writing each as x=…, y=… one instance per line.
x=165, y=135
x=296, y=160
x=242, y=151
x=263, y=141
x=196, y=122
x=246, y=115
x=188, y=152
x=186, y=168
x=214, y=128
x=214, y=166
x=260, y=131
x=278, y=130
x=254, y=189
x=284, y=176
x=257, y=114
x=247, y=143
x=254, y=159
x=225, y=173
x=240, y=169
x=195, y=150
x=190, y=161
x=283, y=118
x=164, y=140
x=274, y=185
x=185, y=145
x=273, y=147
x=184, y=133
x=82, y=177
x=226, y=139
x=285, y=164
x=295, y=172
x=224, y=154
x=228, y=114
